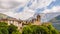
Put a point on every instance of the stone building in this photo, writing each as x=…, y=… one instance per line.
x=37, y=21
x=21, y=23
x=33, y=21
x=13, y=21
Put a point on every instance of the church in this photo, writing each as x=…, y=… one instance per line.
x=21, y=23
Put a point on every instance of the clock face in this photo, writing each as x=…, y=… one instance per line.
x=10, y=4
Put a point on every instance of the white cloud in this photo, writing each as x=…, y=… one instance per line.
x=40, y=3
x=54, y=9
x=7, y=5
x=8, y=12
x=49, y=14
x=27, y=13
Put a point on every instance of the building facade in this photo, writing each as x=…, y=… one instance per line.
x=13, y=21
x=21, y=23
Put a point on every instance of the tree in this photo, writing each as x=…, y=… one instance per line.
x=54, y=31
x=4, y=28
x=0, y=32
x=3, y=25
x=12, y=28
x=8, y=29
x=27, y=30
x=35, y=29
x=4, y=31
x=40, y=30
x=16, y=32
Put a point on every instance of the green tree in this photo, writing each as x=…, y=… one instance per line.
x=35, y=29
x=54, y=31
x=16, y=32
x=27, y=30
x=4, y=28
x=3, y=25
x=12, y=28
x=4, y=31
x=8, y=29
x=0, y=32
x=39, y=30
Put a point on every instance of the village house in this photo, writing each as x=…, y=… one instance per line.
x=12, y=21
x=21, y=23
x=33, y=21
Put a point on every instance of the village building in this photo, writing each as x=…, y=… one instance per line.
x=21, y=23
x=12, y=21
x=33, y=21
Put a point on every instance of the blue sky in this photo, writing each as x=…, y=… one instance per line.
x=52, y=4
x=24, y=9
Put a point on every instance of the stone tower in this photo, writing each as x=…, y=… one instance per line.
x=37, y=21
x=38, y=17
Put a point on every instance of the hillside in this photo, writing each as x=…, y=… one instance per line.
x=56, y=19
x=56, y=22
x=4, y=16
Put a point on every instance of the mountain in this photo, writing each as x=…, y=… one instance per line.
x=3, y=16
x=46, y=17
x=55, y=20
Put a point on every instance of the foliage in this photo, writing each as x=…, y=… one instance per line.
x=0, y=32
x=16, y=32
x=3, y=25
x=8, y=29
x=35, y=29
x=4, y=31
x=12, y=28
x=54, y=31
x=27, y=30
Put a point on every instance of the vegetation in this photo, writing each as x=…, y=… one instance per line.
x=28, y=29
x=43, y=29
x=8, y=29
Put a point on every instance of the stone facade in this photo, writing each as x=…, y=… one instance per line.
x=34, y=21
x=21, y=23
x=13, y=21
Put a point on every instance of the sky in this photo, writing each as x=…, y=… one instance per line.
x=24, y=9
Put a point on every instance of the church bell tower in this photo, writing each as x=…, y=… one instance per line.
x=38, y=17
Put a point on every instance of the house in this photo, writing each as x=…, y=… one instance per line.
x=33, y=21
x=21, y=23
x=12, y=21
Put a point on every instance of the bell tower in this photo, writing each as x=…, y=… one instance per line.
x=38, y=17
x=37, y=22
